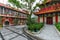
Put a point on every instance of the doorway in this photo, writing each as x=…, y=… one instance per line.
x=49, y=20
x=6, y=23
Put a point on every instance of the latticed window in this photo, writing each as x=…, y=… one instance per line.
x=1, y=10
x=6, y=11
x=12, y=12
x=9, y=11
x=20, y=14
x=25, y=15
x=17, y=13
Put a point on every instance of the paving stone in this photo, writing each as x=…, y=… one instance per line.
x=49, y=33
x=7, y=33
x=4, y=30
x=19, y=38
x=10, y=35
x=0, y=39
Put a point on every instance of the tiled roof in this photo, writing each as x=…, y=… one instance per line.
x=50, y=9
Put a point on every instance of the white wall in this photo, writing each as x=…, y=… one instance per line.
x=53, y=19
x=41, y=19
x=45, y=19
x=58, y=18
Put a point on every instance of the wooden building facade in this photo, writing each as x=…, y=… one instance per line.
x=50, y=14
x=12, y=16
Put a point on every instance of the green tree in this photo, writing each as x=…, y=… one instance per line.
x=28, y=6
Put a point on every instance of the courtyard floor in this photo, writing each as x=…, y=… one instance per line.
x=13, y=33
x=49, y=33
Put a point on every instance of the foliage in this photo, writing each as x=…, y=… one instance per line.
x=44, y=2
x=35, y=27
x=15, y=3
x=58, y=26
x=28, y=5
x=32, y=25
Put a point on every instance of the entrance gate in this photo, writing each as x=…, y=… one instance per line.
x=49, y=20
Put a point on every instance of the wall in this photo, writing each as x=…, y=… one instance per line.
x=45, y=20
x=58, y=18
x=53, y=19
x=41, y=19
x=10, y=20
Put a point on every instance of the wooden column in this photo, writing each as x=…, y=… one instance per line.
x=43, y=19
x=38, y=19
x=56, y=18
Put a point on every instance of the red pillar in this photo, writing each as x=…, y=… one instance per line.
x=56, y=18
x=43, y=19
x=38, y=19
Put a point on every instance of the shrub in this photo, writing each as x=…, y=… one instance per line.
x=58, y=26
x=35, y=27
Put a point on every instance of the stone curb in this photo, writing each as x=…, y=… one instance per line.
x=31, y=35
x=41, y=29
x=57, y=31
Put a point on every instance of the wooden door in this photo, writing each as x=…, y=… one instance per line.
x=49, y=20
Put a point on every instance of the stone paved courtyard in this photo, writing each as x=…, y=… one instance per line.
x=10, y=35
x=49, y=33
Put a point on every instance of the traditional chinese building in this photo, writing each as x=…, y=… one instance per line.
x=50, y=13
x=12, y=16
